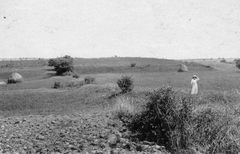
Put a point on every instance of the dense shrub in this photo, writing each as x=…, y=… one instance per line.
x=165, y=121
x=238, y=63
x=125, y=84
x=52, y=62
x=89, y=80
x=171, y=118
x=62, y=65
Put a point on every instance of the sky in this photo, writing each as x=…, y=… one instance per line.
x=171, y=29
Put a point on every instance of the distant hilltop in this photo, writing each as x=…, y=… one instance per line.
x=15, y=59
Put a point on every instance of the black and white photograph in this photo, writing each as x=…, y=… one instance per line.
x=119, y=76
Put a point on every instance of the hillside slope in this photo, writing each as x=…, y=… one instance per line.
x=38, y=69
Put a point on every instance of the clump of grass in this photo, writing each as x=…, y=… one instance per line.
x=125, y=84
x=74, y=84
x=124, y=108
x=75, y=75
x=57, y=85
x=89, y=80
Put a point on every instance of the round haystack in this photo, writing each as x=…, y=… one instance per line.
x=183, y=68
x=15, y=78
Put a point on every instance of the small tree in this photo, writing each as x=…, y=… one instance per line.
x=125, y=84
x=238, y=63
x=62, y=65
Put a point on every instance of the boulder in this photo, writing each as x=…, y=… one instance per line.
x=15, y=78
x=183, y=68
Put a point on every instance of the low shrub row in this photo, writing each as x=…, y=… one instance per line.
x=74, y=84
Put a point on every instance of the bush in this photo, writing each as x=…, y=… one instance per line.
x=125, y=84
x=133, y=65
x=52, y=62
x=57, y=85
x=62, y=65
x=89, y=80
x=223, y=60
x=165, y=121
x=76, y=76
x=238, y=63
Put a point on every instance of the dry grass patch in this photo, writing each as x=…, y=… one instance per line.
x=124, y=107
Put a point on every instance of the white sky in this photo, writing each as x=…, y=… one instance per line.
x=175, y=29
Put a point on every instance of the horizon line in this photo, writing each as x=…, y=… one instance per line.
x=38, y=58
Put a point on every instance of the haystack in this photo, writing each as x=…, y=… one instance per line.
x=15, y=78
x=183, y=68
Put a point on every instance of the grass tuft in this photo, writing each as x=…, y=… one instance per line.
x=57, y=85
x=89, y=80
x=124, y=108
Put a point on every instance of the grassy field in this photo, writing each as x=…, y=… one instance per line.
x=219, y=88
x=148, y=74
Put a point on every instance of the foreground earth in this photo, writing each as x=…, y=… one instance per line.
x=75, y=133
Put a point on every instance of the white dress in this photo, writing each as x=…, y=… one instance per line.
x=194, y=86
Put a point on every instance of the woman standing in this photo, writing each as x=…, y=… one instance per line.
x=194, y=85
